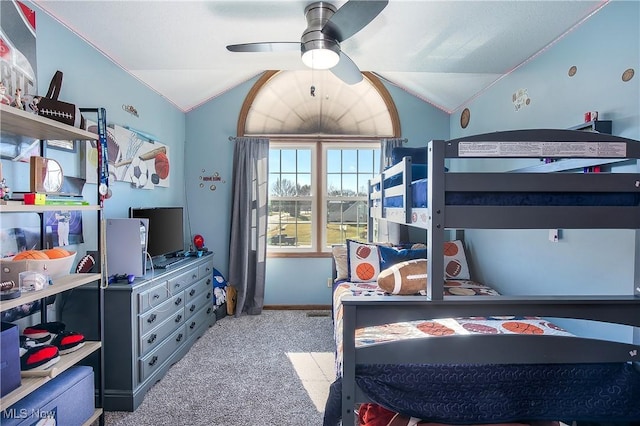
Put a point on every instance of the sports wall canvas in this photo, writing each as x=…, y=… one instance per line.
x=143, y=163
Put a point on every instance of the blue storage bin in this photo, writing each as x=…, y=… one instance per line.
x=9, y=358
x=69, y=398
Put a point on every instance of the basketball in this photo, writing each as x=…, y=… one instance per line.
x=365, y=271
x=450, y=249
x=162, y=165
x=434, y=328
x=56, y=253
x=30, y=254
x=362, y=252
x=522, y=328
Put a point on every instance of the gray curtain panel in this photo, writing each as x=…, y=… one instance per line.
x=391, y=232
x=249, y=211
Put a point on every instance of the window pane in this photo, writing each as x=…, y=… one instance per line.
x=349, y=185
x=274, y=159
x=334, y=184
x=363, y=183
x=365, y=160
x=334, y=161
x=346, y=219
x=288, y=158
x=289, y=224
x=304, y=161
x=349, y=160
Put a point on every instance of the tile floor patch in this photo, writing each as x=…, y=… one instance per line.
x=316, y=372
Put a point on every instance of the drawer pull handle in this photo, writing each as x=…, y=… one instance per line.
x=152, y=338
x=192, y=308
x=153, y=361
x=194, y=276
x=192, y=292
x=151, y=318
x=208, y=269
x=178, y=301
x=209, y=311
x=156, y=296
x=208, y=282
x=209, y=295
x=192, y=325
x=179, y=337
x=178, y=318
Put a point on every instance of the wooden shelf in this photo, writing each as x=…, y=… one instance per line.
x=18, y=123
x=94, y=417
x=61, y=284
x=19, y=207
x=30, y=384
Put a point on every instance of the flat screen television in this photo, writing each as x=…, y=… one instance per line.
x=165, y=236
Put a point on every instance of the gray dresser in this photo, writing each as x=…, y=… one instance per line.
x=148, y=326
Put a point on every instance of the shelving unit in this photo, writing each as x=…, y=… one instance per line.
x=15, y=125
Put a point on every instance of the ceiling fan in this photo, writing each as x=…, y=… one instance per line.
x=327, y=27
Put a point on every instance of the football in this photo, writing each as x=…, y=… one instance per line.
x=85, y=264
x=409, y=277
x=139, y=173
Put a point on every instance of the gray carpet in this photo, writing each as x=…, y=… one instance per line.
x=238, y=373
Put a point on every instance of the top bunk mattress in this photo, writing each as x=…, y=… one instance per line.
x=419, y=190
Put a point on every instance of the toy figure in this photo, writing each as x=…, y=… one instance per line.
x=17, y=101
x=4, y=190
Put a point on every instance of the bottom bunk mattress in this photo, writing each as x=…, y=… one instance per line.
x=419, y=191
x=474, y=394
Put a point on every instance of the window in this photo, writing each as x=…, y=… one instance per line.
x=312, y=207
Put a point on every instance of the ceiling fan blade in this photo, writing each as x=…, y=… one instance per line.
x=353, y=16
x=284, y=46
x=347, y=70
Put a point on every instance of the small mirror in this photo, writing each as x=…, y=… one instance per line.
x=46, y=175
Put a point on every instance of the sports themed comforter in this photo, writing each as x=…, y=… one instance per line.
x=467, y=394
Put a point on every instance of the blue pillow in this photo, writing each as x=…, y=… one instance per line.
x=390, y=256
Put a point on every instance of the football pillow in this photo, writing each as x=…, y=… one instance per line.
x=409, y=277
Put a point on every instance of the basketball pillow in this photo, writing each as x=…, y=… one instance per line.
x=363, y=262
x=409, y=277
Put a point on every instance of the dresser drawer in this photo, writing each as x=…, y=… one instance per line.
x=198, y=303
x=197, y=289
x=169, y=308
x=182, y=281
x=153, y=338
x=206, y=270
x=199, y=319
x=153, y=297
x=151, y=362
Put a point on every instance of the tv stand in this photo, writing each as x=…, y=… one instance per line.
x=148, y=326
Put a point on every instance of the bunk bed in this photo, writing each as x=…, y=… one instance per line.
x=516, y=201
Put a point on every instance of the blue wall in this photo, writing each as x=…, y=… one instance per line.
x=583, y=261
x=92, y=80
x=602, y=48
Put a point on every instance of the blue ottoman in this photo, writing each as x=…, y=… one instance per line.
x=69, y=398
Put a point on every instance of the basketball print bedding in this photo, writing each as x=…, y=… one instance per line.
x=460, y=353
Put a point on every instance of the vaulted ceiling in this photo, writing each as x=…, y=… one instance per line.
x=444, y=52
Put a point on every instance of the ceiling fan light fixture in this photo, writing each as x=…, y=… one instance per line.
x=321, y=58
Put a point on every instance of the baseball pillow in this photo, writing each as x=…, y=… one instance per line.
x=409, y=277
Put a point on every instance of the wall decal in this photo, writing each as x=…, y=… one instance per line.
x=572, y=71
x=520, y=99
x=628, y=74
